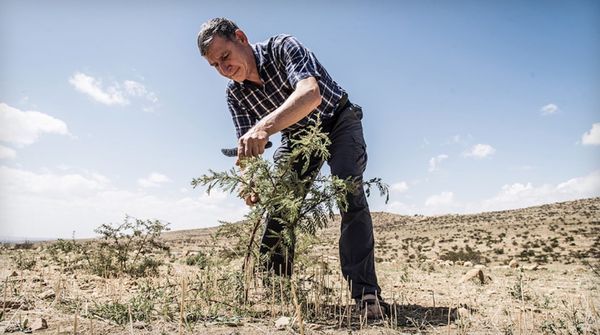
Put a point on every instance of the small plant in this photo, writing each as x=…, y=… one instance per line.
x=304, y=205
x=549, y=327
x=69, y=254
x=24, y=261
x=128, y=248
x=25, y=245
x=200, y=260
x=468, y=254
x=404, y=275
x=517, y=291
x=114, y=311
x=595, y=268
x=140, y=307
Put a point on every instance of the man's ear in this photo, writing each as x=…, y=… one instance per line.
x=241, y=36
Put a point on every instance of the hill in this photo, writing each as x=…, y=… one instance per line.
x=531, y=270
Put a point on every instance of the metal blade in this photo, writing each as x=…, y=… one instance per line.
x=233, y=152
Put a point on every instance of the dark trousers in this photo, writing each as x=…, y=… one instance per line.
x=348, y=158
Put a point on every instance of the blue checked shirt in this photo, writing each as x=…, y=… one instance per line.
x=282, y=62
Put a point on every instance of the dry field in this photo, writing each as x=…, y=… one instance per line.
x=526, y=271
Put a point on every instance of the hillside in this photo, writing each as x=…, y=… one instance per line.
x=535, y=270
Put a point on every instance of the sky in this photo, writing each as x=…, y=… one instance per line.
x=107, y=108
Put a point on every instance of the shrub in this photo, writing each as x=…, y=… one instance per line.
x=145, y=304
x=26, y=245
x=24, y=261
x=114, y=311
x=518, y=290
x=69, y=254
x=468, y=254
x=499, y=251
x=304, y=205
x=200, y=260
x=128, y=248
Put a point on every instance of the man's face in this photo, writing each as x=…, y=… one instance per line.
x=230, y=58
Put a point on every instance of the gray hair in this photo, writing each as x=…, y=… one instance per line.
x=218, y=26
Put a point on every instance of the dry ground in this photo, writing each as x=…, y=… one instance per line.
x=552, y=286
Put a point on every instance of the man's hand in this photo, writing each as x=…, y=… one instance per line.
x=252, y=143
x=251, y=199
x=249, y=196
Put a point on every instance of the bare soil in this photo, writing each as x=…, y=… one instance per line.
x=550, y=287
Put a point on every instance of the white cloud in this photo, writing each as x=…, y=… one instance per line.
x=434, y=162
x=137, y=89
x=510, y=196
x=153, y=180
x=70, y=186
x=518, y=195
x=480, y=151
x=55, y=203
x=442, y=199
x=114, y=94
x=7, y=153
x=25, y=127
x=583, y=187
x=134, y=88
x=549, y=109
x=399, y=187
x=592, y=137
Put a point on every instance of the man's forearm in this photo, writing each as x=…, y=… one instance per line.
x=298, y=105
x=305, y=98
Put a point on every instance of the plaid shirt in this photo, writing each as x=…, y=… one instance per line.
x=282, y=62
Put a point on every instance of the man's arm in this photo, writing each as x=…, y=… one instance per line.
x=305, y=98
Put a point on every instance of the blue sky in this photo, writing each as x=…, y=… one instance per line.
x=107, y=108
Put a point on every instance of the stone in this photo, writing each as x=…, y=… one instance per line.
x=473, y=273
x=48, y=294
x=282, y=322
x=463, y=312
x=39, y=324
x=467, y=264
x=17, y=304
x=314, y=326
x=139, y=325
x=513, y=263
x=532, y=267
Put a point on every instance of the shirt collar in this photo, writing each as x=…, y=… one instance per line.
x=260, y=60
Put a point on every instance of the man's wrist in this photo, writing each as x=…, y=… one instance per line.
x=265, y=127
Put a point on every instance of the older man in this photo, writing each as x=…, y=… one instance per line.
x=278, y=86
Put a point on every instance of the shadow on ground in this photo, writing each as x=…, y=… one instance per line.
x=398, y=316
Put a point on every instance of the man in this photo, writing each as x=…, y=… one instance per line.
x=279, y=86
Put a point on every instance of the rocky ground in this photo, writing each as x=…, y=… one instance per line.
x=528, y=271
